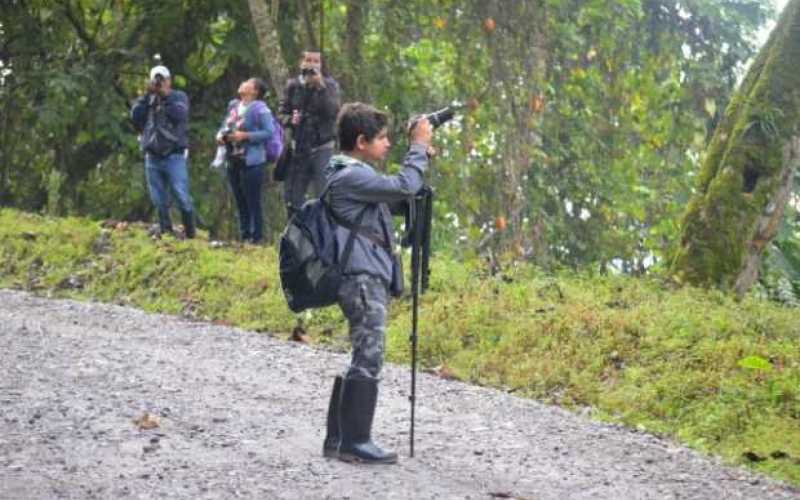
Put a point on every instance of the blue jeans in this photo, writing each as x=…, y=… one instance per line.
x=165, y=175
x=247, y=184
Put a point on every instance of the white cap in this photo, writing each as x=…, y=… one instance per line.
x=159, y=70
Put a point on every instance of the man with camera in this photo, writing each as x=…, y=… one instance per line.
x=359, y=199
x=309, y=107
x=161, y=117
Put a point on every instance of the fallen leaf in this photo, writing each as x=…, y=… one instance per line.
x=444, y=372
x=299, y=335
x=146, y=421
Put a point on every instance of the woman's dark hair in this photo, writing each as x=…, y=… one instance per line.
x=261, y=87
x=357, y=118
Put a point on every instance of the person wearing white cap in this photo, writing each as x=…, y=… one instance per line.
x=161, y=117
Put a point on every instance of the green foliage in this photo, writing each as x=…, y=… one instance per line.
x=780, y=276
x=586, y=125
x=720, y=375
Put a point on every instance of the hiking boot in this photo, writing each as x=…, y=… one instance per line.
x=356, y=412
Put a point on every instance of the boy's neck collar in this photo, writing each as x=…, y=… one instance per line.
x=355, y=156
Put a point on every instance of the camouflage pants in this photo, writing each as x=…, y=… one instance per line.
x=364, y=301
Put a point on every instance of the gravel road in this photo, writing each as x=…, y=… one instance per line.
x=240, y=415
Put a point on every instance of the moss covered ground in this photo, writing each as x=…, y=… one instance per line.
x=720, y=375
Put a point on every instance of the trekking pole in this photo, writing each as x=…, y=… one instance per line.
x=416, y=229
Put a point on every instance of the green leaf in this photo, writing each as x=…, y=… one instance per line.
x=756, y=363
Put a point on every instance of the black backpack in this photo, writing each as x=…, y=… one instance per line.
x=310, y=270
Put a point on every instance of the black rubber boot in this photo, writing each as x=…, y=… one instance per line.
x=188, y=223
x=359, y=396
x=330, y=447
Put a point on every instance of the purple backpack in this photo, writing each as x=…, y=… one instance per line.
x=275, y=142
x=274, y=145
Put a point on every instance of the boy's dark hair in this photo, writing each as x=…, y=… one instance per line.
x=357, y=118
x=261, y=87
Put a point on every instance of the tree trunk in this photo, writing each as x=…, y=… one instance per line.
x=307, y=14
x=746, y=178
x=269, y=43
x=354, y=87
x=518, y=48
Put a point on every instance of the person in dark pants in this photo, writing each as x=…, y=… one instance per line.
x=309, y=107
x=161, y=117
x=355, y=190
x=245, y=130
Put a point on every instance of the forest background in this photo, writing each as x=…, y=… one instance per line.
x=585, y=125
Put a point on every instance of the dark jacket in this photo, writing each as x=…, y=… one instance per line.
x=176, y=108
x=319, y=108
x=354, y=186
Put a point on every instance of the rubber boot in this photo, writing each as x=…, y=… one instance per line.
x=357, y=410
x=188, y=223
x=330, y=447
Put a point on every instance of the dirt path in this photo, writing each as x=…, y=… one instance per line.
x=241, y=416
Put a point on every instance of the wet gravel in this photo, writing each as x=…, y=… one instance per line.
x=240, y=415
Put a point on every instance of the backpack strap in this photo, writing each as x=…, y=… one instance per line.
x=324, y=197
x=354, y=227
x=348, y=247
x=363, y=231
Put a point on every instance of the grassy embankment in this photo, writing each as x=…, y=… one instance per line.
x=719, y=375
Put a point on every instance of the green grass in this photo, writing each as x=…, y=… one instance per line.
x=720, y=375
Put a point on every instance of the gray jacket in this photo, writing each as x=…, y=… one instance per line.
x=354, y=186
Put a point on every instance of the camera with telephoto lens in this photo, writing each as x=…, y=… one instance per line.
x=437, y=118
x=308, y=72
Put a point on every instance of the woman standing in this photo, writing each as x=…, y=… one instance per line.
x=247, y=126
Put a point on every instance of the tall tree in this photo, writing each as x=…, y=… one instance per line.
x=355, y=88
x=269, y=42
x=747, y=176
